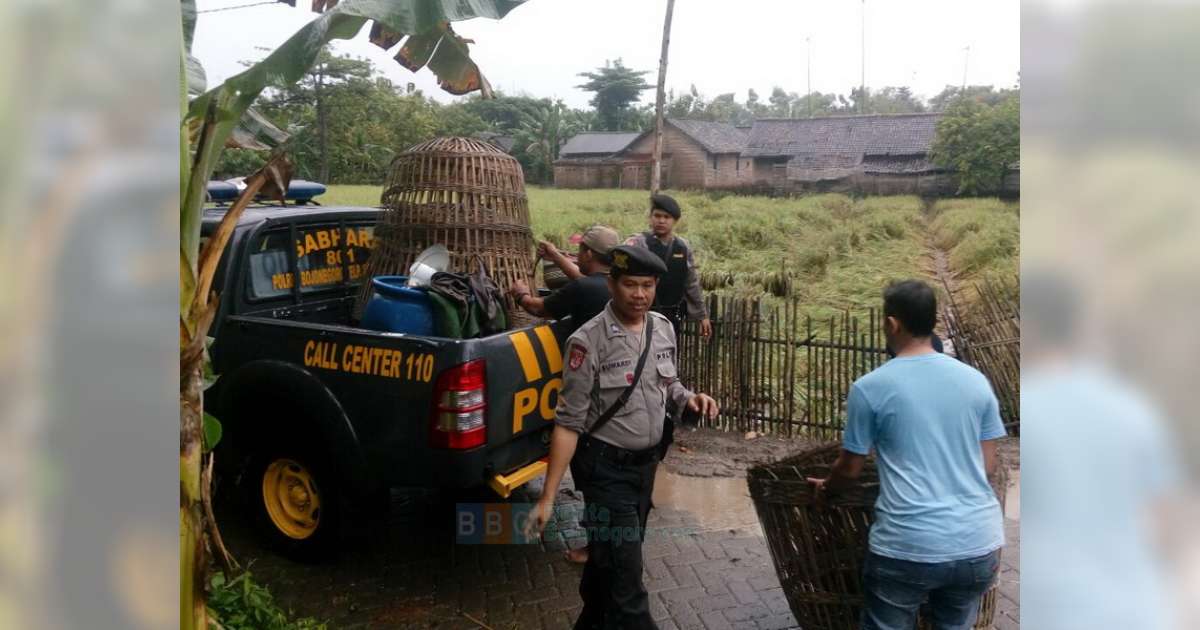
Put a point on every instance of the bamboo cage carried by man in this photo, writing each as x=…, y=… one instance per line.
x=462, y=193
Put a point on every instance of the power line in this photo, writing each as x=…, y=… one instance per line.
x=240, y=6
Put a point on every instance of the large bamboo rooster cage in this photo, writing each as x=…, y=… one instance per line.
x=817, y=550
x=462, y=193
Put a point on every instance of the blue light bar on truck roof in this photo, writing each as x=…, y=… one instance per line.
x=299, y=191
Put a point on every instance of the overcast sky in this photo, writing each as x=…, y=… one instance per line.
x=541, y=46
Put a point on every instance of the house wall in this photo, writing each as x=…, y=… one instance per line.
x=688, y=167
x=586, y=175
x=733, y=171
x=764, y=173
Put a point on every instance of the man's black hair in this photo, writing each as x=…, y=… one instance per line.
x=913, y=303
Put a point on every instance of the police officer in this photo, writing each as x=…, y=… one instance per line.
x=585, y=295
x=620, y=373
x=679, y=291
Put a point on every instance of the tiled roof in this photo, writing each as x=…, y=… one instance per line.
x=882, y=134
x=715, y=137
x=501, y=141
x=597, y=143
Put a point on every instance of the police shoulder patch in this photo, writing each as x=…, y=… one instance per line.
x=577, y=355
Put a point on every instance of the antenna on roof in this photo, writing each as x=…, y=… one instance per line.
x=862, y=88
x=966, y=56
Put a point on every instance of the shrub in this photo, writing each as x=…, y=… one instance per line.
x=243, y=604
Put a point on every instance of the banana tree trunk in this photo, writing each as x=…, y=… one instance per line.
x=193, y=558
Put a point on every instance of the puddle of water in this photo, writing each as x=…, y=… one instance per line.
x=715, y=502
x=1012, y=501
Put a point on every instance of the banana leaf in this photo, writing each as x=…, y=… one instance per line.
x=212, y=117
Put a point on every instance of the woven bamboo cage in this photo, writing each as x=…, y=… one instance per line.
x=818, y=552
x=462, y=193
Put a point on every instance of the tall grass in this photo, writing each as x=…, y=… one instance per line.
x=834, y=252
x=982, y=236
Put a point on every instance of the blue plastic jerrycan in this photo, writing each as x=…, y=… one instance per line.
x=398, y=308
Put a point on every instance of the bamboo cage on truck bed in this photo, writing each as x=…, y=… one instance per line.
x=462, y=193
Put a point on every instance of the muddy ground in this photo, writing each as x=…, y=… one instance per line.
x=711, y=453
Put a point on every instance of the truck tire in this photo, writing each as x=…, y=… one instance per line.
x=296, y=502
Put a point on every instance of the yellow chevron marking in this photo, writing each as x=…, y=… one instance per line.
x=550, y=348
x=527, y=356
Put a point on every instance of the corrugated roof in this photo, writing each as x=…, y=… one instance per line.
x=597, y=142
x=881, y=134
x=499, y=140
x=715, y=137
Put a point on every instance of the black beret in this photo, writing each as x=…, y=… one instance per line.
x=665, y=203
x=628, y=260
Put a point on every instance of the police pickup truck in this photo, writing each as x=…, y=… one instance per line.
x=319, y=414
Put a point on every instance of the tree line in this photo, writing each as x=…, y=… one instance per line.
x=347, y=121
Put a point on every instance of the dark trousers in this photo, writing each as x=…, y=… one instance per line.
x=896, y=589
x=616, y=506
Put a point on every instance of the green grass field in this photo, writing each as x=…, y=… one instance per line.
x=832, y=252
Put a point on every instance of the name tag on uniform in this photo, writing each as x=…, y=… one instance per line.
x=604, y=367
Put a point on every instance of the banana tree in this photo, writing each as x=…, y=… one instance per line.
x=207, y=123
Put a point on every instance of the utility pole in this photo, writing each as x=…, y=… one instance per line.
x=862, y=86
x=656, y=168
x=808, y=42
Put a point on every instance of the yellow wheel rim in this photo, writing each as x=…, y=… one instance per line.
x=291, y=498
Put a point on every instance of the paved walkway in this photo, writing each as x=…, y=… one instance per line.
x=404, y=570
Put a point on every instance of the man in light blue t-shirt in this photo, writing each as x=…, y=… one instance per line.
x=932, y=422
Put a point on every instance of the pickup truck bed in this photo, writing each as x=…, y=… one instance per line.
x=376, y=392
x=318, y=412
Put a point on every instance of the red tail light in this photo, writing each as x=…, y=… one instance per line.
x=460, y=407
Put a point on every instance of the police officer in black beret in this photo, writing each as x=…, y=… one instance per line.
x=612, y=429
x=679, y=293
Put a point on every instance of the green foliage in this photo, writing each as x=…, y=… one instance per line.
x=616, y=89
x=540, y=134
x=894, y=100
x=784, y=104
x=986, y=94
x=980, y=142
x=239, y=163
x=243, y=604
x=367, y=120
x=212, y=432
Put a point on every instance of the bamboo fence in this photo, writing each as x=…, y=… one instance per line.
x=777, y=371
x=987, y=335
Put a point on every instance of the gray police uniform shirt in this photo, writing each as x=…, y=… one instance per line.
x=601, y=358
x=692, y=295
